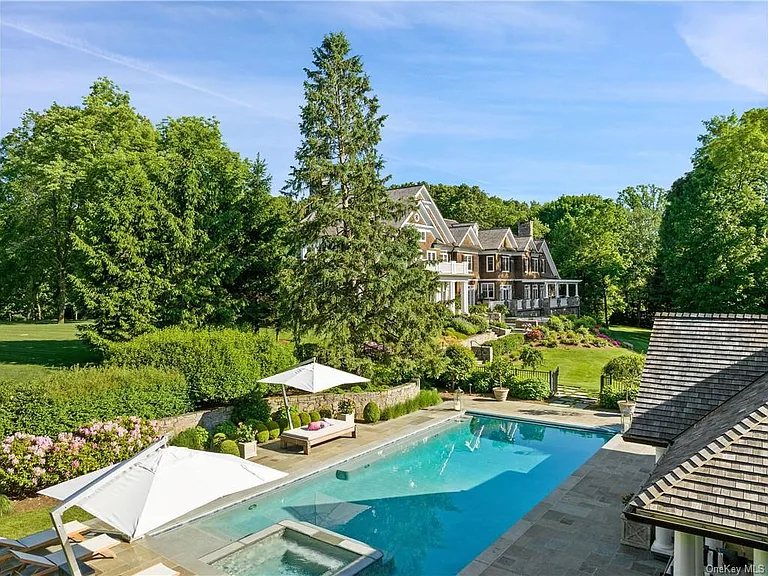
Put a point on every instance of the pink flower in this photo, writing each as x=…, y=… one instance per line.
x=75, y=463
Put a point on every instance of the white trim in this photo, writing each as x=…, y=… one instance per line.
x=431, y=256
x=505, y=259
x=545, y=249
x=469, y=258
x=492, y=267
x=484, y=295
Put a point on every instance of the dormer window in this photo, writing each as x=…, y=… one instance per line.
x=423, y=236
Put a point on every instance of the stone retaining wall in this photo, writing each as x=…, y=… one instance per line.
x=304, y=402
x=384, y=399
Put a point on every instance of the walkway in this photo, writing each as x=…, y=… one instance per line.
x=573, y=397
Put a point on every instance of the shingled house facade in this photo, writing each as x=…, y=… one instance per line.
x=703, y=403
x=487, y=266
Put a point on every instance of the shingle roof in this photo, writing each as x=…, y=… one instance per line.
x=695, y=362
x=714, y=475
x=492, y=238
x=400, y=194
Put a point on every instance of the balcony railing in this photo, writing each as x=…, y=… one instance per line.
x=538, y=303
x=461, y=268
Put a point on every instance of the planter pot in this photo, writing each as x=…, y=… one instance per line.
x=247, y=449
x=500, y=394
x=636, y=534
x=628, y=406
x=350, y=418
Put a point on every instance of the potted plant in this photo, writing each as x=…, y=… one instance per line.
x=500, y=393
x=347, y=410
x=246, y=440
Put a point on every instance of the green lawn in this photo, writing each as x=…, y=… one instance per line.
x=638, y=337
x=30, y=350
x=20, y=524
x=580, y=367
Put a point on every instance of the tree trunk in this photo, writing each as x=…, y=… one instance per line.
x=62, y=297
x=605, y=303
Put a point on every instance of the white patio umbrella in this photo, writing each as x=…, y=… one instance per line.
x=312, y=377
x=159, y=485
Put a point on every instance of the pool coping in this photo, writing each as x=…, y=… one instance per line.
x=601, y=429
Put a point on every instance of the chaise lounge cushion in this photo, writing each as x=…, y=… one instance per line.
x=334, y=427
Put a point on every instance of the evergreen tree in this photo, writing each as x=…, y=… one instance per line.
x=361, y=283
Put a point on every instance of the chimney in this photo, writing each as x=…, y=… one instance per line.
x=525, y=229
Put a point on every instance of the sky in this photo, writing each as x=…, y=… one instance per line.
x=528, y=100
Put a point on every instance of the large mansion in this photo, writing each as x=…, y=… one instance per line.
x=488, y=266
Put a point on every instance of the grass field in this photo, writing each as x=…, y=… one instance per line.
x=580, y=367
x=30, y=350
x=19, y=524
x=638, y=337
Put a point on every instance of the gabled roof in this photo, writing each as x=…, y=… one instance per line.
x=713, y=477
x=493, y=238
x=420, y=196
x=465, y=234
x=524, y=242
x=695, y=363
x=543, y=247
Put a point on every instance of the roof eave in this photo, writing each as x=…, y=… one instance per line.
x=700, y=529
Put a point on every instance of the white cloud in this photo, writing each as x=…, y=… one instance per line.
x=730, y=39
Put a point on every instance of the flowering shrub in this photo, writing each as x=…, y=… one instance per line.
x=29, y=463
x=534, y=335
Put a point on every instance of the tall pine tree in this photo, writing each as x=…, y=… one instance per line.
x=361, y=284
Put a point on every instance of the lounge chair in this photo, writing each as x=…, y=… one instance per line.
x=308, y=438
x=158, y=569
x=34, y=564
x=74, y=529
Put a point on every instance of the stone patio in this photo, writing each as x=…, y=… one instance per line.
x=589, y=502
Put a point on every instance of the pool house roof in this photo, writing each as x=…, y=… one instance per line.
x=695, y=363
x=712, y=479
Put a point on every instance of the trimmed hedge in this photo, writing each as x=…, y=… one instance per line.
x=195, y=438
x=229, y=447
x=68, y=399
x=274, y=429
x=371, y=413
x=219, y=365
x=425, y=399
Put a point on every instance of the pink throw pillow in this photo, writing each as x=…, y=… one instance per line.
x=314, y=426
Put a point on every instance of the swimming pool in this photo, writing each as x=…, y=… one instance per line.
x=432, y=502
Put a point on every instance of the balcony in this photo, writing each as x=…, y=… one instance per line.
x=530, y=304
x=449, y=268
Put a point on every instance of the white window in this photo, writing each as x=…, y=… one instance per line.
x=431, y=256
x=423, y=235
x=504, y=293
x=525, y=265
x=487, y=291
x=542, y=267
x=535, y=265
x=490, y=263
x=444, y=256
x=470, y=260
x=535, y=291
x=527, y=290
x=505, y=263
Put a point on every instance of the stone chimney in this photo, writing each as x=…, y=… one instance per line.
x=525, y=229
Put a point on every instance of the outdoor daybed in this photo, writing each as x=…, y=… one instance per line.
x=308, y=438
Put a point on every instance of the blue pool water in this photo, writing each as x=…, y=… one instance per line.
x=432, y=503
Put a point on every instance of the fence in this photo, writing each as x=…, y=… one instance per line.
x=552, y=377
x=612, y=390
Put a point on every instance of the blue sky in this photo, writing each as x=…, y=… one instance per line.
x=528, y=100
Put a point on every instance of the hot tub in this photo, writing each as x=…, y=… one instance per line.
x=293, y=549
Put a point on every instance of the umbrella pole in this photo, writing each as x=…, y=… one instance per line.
x=287, y=410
